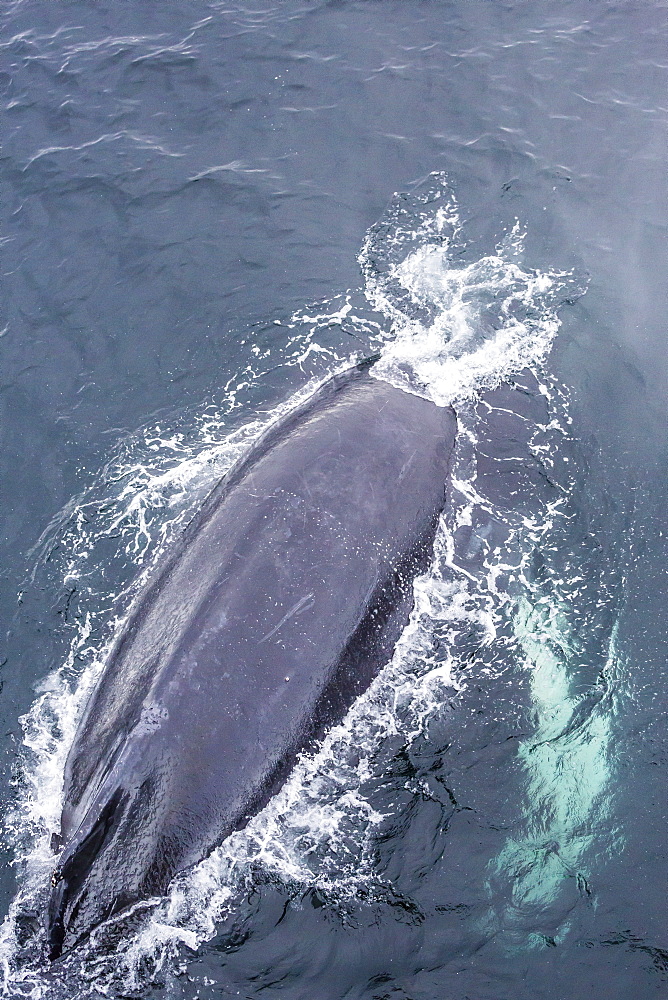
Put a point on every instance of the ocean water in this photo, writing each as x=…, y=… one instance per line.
x=207, y=209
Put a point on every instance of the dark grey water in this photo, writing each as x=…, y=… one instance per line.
x=186, y=190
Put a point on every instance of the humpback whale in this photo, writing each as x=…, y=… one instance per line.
x=274, y=609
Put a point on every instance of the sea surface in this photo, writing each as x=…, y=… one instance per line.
x=206, y=208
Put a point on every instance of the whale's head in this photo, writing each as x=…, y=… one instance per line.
x=110, y=862
x=82, y=886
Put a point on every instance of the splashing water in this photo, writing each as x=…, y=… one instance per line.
x=451, y=322
x=458, y=328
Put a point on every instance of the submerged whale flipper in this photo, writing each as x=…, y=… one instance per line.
x=275, y=609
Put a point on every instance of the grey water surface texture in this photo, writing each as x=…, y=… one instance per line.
x=178, y=180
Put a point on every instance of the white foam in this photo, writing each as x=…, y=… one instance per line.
x=488, y=321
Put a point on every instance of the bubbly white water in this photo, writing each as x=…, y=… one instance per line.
x=446, y=327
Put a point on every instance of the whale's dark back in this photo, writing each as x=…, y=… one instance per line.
x=275, y=610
